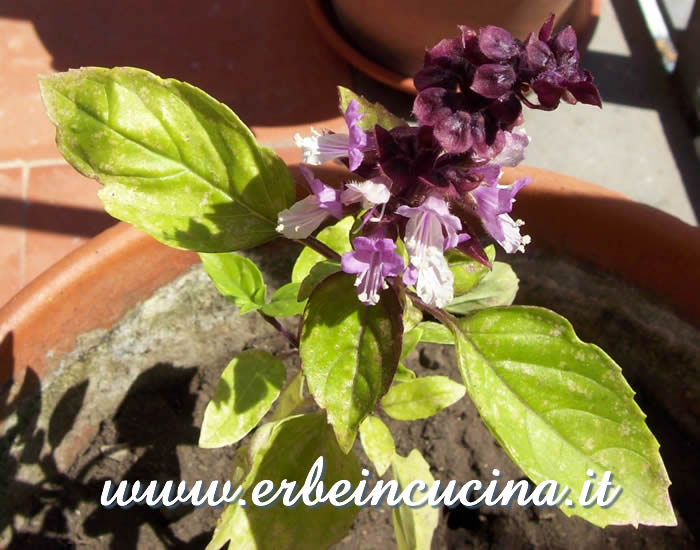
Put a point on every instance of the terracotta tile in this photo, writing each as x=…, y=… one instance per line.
x=26, y=132
x=13, y=215
x=289, y=153
x=63, y=212
x=263, y=59
x=62, y=185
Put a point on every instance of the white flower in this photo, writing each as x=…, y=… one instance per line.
x=320, y=148
x=432, y=277
x=425, y=243
x=369, y=193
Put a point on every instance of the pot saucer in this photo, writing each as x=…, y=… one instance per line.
x=584, y=20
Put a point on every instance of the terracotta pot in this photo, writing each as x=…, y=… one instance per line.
x=395, y=33
x=96, y=284
x=99, y=283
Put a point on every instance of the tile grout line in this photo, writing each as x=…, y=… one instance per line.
x=38, y=163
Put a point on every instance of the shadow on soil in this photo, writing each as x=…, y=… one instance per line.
x=159, y=397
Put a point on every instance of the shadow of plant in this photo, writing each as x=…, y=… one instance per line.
x=139, y=443
x=56, y=492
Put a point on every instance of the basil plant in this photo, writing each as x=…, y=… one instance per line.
x=393, y=257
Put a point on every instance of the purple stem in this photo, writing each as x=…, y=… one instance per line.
x=322, y=249
x=283, y=331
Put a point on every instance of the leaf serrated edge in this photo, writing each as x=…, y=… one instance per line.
x=459, y=331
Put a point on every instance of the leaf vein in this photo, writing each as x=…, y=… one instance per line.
x=181, y=163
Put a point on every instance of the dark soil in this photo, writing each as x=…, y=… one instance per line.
x=154, y=436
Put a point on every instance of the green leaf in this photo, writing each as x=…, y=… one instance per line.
x=411, y=315
x=287, y=450
x=560, y=407
x=349, y=352
x=404, y=374
x=174, y=162
x=374, y=113
x=237, y=278
x=410, y=341
x=291, y=398
x=335, y=236
x=401, y=250
x=413, y=527
x=284, y=302
x=497, y=288
x=421, y=398
x=435, y=333
x=377, y=442
x=247, y=389
x=318, y=272
x=466, y=270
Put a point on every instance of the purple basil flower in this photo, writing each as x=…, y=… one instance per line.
x=414, y=161
x=417, y=166
x=513, y=152
x=405, y=155
x=471, y=87
x=493, y=205
x=304, y=217
x=465, y=121
x=357, y=144
x=373, y=260
x=320, y=148
x=426, y=242
x=465, y=96
x=550, y=65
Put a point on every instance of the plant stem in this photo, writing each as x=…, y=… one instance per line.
x=319, y=247
x=283, y=331
x=532, y=105
x=440, y=314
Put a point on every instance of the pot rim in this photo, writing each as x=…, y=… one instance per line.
x=99, y=282
x=318, y=11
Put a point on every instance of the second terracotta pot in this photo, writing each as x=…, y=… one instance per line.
x=395, y=33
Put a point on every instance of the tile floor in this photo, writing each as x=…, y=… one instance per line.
x=266, y=61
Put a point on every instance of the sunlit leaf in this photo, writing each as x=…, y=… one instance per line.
x=375, y=113
x=466, y=270
x=237, y=278
x=335, y=236
x=404, y=374
x=174, y=162
x=435, y=333
x=349, y=352
x=287, y=450
x=318, y=272
x=497, y=288
x=291, y=398
x=247, y=389
x=421, y=398
x=413, y=527
x=377, y=442
x=410, y=341
x=560, y=407
x=411, y=316
x=284, y=302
